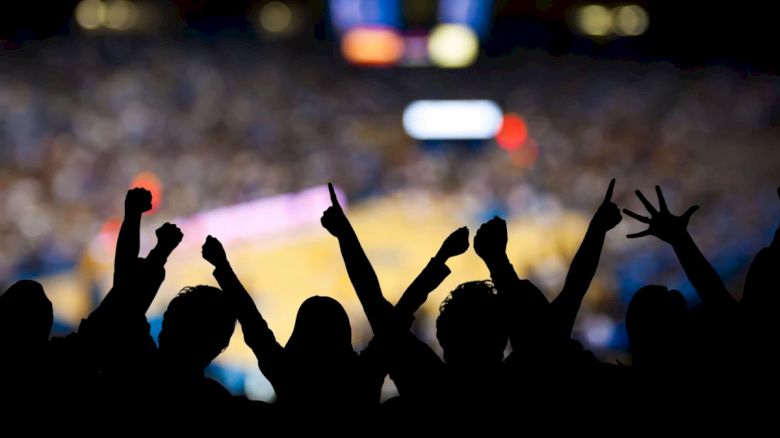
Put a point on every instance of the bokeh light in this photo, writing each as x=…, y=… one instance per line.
x=372, y=46
x=453, y=46
x=90, y=14
x=594, y=20
x=513, y=132
x=630, y=20
x=275, y=17
x=120, y=15
x=452, y=119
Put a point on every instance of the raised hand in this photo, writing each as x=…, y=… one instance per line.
x=169, y=236
x=608, y=215
x=138, y=200
x=490, y=240
x=213, y=252
x=661, y=223
x=333, y=219
x=455, y=244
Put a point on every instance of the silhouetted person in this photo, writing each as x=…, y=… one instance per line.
x=546, y=365
x=25, y=322
x=317, y=374
x=759, y=378
x=657, y=326
x=65, y=375
x=707, y=353
x=196, y=328
x=469, y=328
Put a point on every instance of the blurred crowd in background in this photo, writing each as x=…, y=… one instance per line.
x=230, y=121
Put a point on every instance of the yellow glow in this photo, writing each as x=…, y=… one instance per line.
x=90, y=14
x=453, y=46
x=121, y=15
x=594, y=20
x=630, y=20
x=275, y=17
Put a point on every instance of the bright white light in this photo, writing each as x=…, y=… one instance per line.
x=453, y=46
x=631, y=20
x=121, y=15
x=594, y=20
x=275, y=17
x=452, y=119
x=90, y=14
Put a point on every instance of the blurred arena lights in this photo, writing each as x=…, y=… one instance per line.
x=452, y=119
x=598, y=21
x=120, y=15
x=90, y=14
x=275, y=17
x=116, y=14
x=594, y=20
x=476, y=14
x=372, y=46
x=630, y=20
x=453, y=46
x=150, y=181
x=513, y=132
x=348, y=14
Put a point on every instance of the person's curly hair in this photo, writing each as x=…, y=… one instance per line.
x=199, y=322
x=470, y=320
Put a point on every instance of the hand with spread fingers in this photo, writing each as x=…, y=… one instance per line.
x=661, y=223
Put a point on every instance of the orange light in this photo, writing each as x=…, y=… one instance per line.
x=372, y=46
x=513, y=132
x=151, y=182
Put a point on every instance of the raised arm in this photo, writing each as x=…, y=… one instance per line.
x=137, y=202
x=674, y=231
x=257, y=335
x=359, y=268
x=432, y=275
x=168, y=238
x=133, y=294
x=583, y=267
x=526, y=307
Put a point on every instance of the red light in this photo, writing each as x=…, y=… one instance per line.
x=513, y=132
x=151, y=182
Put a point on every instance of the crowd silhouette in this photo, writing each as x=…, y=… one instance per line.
x=509, y=358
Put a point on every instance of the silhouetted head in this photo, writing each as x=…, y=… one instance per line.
x=656, y=322
x=197, y=326
x=469, y=326
x=321, y=330
x=25, y=316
